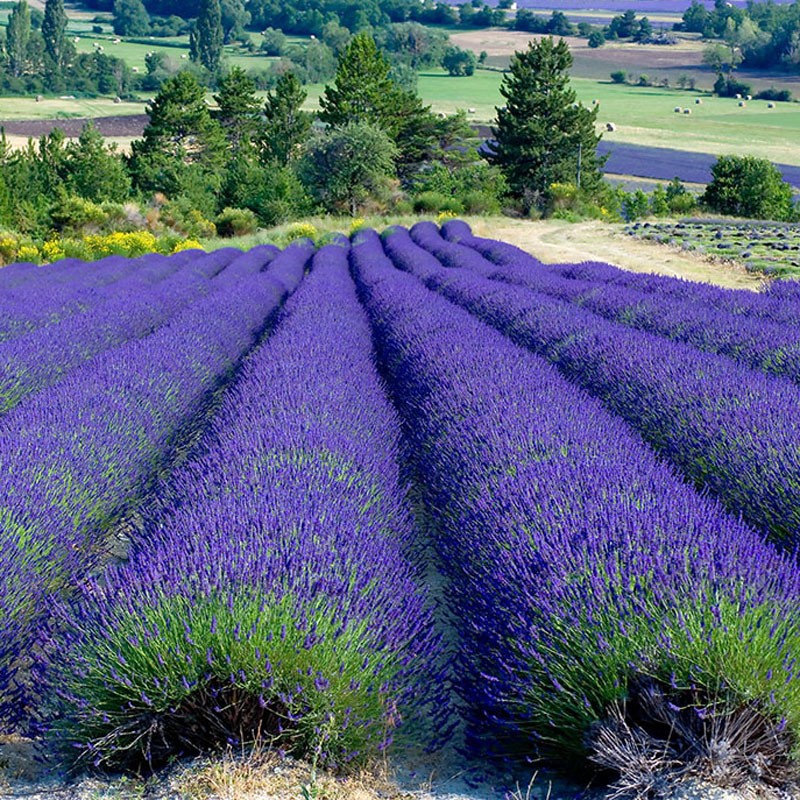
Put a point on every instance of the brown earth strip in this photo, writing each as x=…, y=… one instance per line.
x=119, y=126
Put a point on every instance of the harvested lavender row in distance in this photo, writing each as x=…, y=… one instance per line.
x=772, y=304
x=761, y=344
x=76, y=457
x=730, y=429
x=582, y=570
x=272, y=596
x=45, y=302
x=39, y=359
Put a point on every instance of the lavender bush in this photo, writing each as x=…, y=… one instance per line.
x=728, y=428
x=272, y=594
x=76, y=458
x=595, y=594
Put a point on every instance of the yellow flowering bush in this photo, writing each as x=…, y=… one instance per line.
x=28, y=252
x=300, y=230
x=186, y=244
x=357, y=224
x=443, y=216
x=52, y=250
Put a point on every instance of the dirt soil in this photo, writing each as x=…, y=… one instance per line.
x=121, y=126
x=554, y=241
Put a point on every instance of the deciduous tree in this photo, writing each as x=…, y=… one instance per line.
x=131, y=18
x=747, y=186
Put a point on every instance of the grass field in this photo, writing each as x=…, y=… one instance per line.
x=642, y=115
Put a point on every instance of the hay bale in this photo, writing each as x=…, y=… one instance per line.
x=770, y=105
x=738, y=97
x=687, y=110
x=749, y=97
x=742, y=104
x=471, y=111
x=610, y=126
x=698, y=101
x=677, y=109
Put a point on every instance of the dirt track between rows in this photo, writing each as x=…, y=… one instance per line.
x=553, y=241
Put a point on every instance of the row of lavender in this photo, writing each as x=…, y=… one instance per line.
x=274, y=592
x=130, y=308
x=730, y=429
x=76, y=458
x=581, y=569
x=759, y=330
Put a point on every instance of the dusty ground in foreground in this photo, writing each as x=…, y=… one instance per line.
x=554, y=241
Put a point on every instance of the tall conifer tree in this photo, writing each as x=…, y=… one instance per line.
x=543, y=136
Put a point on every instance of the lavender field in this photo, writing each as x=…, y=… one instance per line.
x=360, y=496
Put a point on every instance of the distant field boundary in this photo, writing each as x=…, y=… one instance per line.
x=661, y=163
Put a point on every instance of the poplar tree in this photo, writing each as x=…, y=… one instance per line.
x=17, y=36
x=543, y=136
x=206, y=37
x=54, y=32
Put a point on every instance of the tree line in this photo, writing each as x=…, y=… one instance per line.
x=373, y=146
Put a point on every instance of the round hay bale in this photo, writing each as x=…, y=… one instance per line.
x=677, y=109
x=610, y=126
x=687, y=110
x=39, y=98
x=770, y=105
x=471, y=110
x=742, y=104
x=698, y=101
x=749, y=97
x=738, y=97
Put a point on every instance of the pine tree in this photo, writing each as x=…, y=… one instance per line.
x=239, y=111
x=17, y=36
x=131, y=18
x=542, y=135
x=362, y=90
x=286, y=125
x=182, y=145
x=54, y=27
x=205, y=39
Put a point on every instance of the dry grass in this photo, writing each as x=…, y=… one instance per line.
x=262, y=774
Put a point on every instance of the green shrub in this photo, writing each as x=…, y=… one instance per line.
x=433, y=202
x=73, y=214
x=618, y=76
x=236, y=222
x=182, y=217
x=480, y=203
